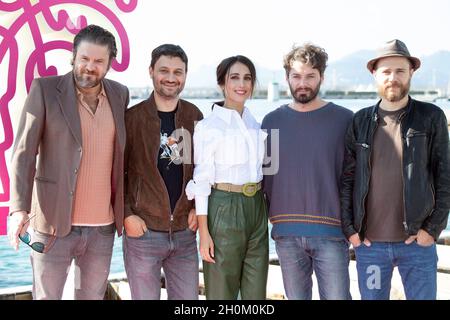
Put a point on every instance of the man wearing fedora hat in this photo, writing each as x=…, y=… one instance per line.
x=395, y=192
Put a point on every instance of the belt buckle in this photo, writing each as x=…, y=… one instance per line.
x=249, y=189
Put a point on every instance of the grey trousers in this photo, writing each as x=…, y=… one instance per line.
x=90, y=247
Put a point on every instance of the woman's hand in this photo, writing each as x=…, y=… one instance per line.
x=206, y=242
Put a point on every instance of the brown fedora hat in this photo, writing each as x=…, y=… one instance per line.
x=393, y=48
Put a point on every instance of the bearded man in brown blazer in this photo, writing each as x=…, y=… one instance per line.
x=67, y=171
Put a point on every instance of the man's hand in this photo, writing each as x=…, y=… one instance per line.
x=18, y=224
x=134, y=226
x=192, y=220
x=422, y=237
x=356, y=241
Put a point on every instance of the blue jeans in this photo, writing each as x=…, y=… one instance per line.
x=176, y=253
x=416, y=264
x=90, y=247
x=328, y=257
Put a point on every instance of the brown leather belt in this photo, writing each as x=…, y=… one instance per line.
x=248, y=189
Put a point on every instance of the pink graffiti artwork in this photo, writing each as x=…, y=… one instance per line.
x=36, y=60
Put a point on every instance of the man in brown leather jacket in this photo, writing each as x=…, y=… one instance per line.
x=160, y=222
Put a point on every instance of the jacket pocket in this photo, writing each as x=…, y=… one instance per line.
x=433, y=201
x=44, y=179
x=412, y=134
x=362, y=145
x=416, y=144
x=415, y=138
x=137, y=193
x=362, y=151
x=44, y=200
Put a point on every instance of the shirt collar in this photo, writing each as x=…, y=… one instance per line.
x=226, y=114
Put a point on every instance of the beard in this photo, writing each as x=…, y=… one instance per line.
x=386, y=92
x=168, y=93
x=305, y=97
x=85, y=79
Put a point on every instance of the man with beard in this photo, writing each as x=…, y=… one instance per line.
x=396, y=182
x=303, y=195
x=74, y=197
x=160, y=222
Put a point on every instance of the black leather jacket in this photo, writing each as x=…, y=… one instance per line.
x=426, y=169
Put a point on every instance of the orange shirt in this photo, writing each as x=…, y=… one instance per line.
x=92, y=201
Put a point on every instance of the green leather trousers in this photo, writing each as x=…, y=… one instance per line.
x=238, y=227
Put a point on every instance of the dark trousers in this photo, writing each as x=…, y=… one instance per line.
x=238, y=227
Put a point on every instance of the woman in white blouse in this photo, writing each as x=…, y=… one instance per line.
x=226, y=185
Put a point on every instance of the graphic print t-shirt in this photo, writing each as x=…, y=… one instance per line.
x=169, y=161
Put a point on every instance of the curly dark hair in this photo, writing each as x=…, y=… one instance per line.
x=307, y=54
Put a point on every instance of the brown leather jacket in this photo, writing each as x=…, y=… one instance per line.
x=145, y=191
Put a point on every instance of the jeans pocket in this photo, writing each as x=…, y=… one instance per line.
x=191, y=231
x=185, y=234
x=362, y=245
x=107, y=230
x=422, y=246
x=278, y=238
x=141, y=237
x=338, y=239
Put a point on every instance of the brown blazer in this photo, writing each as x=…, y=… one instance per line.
x=145, y=191
x=49, y=133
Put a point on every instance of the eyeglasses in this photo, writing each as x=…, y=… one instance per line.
x=36, y=246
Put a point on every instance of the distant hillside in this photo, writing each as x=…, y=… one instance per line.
x=435, y=71
x=351, y=72
x=348, y=73
x=205, y=76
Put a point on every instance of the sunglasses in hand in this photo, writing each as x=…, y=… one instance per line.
x=37, y=245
